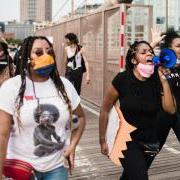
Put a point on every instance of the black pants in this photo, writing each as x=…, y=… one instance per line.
x=135, y=163
x=176, y=126
x=165, y=123
x=75, y=77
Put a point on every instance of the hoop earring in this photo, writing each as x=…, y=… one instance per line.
x=134, y=61
x=29, y=61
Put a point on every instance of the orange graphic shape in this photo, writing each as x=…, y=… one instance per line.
x=121, y=138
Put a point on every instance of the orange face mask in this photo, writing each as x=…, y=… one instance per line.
x=42, y=61
x=43, y=65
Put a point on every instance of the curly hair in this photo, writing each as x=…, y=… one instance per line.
x=72, y=38
x=46, y=107
x=24, y=68
x=171, y=34
x=131, y=53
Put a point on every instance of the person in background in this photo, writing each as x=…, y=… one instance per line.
x=171, y=39
x=6, y=63
x=17, y=61
x=36, y=109
x=142, y=92
x=76, y=62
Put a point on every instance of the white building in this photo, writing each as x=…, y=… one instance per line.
x=161, y=12
x=20, y=30
x=35, y=10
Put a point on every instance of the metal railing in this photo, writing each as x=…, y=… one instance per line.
x=105, y=34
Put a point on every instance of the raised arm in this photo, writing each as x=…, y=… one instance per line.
x=168, y=100
x=157, y=36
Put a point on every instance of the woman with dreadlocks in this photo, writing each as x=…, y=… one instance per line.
x=36, y=110
x=6, y=64
x=141, y=91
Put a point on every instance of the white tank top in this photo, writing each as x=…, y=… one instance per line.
x=70, y=53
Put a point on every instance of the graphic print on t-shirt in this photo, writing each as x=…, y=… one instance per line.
x=46, y=140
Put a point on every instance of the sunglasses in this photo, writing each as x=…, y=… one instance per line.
x=41, y=51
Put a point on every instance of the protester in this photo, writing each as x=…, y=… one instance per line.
x=170, y=39
x=6, y=64
x=17, y=61
x=36, y=109
x=142, y=91
x=76, y=62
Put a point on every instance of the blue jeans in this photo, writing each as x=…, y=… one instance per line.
x=60, y=173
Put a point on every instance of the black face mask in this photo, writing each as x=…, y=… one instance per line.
x=3, y=64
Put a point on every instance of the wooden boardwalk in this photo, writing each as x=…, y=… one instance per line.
x=92, y=165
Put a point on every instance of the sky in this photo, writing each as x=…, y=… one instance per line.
x=10, y=9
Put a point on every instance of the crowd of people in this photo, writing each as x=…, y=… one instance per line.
x=37, y=106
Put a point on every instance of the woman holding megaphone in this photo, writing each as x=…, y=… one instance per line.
x=171, y=40
x=142, y=92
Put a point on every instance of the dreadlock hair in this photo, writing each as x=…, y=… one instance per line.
x=131, y=53
x=72, y=38
x=24, y=68
x=171, y=34
x=130, y=66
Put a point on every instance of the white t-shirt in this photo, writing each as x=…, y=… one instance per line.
x=40, y=144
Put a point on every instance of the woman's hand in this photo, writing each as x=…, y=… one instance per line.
x=162, y=74
x=168, y=100
x=156, y=36
x=69, y=155
x=104, y=147
x=76, y=134
x=87, y=79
